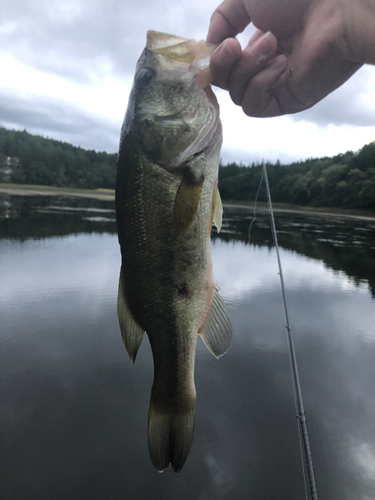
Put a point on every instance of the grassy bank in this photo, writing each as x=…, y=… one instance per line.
x=287, y=207
x=33, y=190
x=109, y=194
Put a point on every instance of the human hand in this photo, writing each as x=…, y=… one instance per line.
x=314, y=47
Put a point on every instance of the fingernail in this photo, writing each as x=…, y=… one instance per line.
x=278, y=64
x=225, y=55
x=218, y=53
x=262, y=47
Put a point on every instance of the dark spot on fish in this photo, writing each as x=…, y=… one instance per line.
x=182, y=290
x=190, y=176
x=176, y=87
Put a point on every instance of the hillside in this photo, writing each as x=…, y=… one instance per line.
x=31, y=159
x=343, y=181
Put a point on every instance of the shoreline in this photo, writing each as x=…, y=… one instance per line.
x=109, y=195
x=34, y=190
x=314, y=211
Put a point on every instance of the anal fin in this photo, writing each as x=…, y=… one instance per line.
x=131, y=332
x=216, y=214
x=218, y=211
x=217, y=333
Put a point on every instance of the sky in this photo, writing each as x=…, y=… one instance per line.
x=67, y=67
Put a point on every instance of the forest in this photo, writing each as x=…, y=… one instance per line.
x=37, y=160
x=345, y=181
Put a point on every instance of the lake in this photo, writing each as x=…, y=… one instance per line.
x=73, y=409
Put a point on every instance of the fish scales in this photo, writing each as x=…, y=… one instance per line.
x=166, y=200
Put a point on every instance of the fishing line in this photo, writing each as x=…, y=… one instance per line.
x=255, y=205
x=300, y=410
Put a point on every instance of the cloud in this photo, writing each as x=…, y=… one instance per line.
x=59, y=120
x=260, y=272
x=82, y=38
x=285, y=138
x=67, y=68
x=87, y=115
x=352, y=104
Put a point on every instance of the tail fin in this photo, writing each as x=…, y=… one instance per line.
x=169, y=437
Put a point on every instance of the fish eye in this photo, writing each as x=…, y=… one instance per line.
x=145, y=77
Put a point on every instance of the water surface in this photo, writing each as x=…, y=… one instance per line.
x=73, y=409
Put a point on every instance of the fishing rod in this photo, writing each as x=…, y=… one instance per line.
x=293, y=362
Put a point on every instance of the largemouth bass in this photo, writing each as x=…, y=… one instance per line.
x=166, y=202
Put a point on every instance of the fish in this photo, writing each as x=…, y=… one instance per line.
x=166, y=203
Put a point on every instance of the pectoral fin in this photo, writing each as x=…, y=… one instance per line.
x=217, y=333
x=186, y=204
x=131, y=332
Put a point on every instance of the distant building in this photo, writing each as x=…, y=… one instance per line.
x=12, y=161
x=6, y=172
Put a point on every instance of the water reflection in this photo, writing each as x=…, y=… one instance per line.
x=343, y=245
x=74, y=409
x=37, y=217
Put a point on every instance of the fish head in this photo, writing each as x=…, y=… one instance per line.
x=172, y=110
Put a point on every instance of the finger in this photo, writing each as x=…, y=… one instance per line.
x=254, y=57
x=257, y=34
x=229, y=19
x=222, y=61
x=259, y=99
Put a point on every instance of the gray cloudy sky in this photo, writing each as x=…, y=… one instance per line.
x=67, y=68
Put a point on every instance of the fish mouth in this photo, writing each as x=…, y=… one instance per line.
x=185, y=51
x=195, y=56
